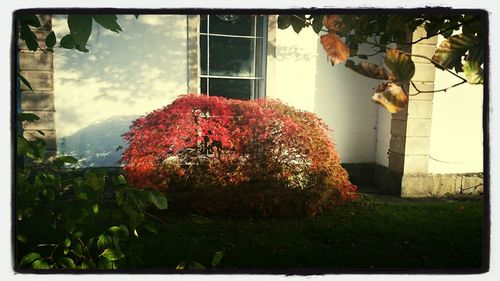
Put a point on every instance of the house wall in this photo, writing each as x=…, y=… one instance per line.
x=304, y=78
x=456, y=142
x=383, y=137
x=99, y=94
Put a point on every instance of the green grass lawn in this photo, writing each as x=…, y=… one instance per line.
x=371, y=233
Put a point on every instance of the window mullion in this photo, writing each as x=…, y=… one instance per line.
x=208, y=55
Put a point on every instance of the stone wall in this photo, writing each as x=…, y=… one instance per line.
x=38, y=68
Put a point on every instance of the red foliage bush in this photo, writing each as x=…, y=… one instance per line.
x=261, y=156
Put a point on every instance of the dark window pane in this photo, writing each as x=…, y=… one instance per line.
x=203, y=54
x=259, y=57
x=203, y=23
x=232, y=24
x=231, y=88
x=203, y=85
x=232, y=56
x=260, y=24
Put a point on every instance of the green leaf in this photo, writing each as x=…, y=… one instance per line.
x=119, y=231
x=104, y=263
x=21, y=238
x=25, y=81
x=200, y=219
x=136, y=220
x=50, y=40
x=158, y=199
x=370, y=70
x=30, y=20
x=104, y=242
x=77, y=249
x=23, y=146
x=95, y=181
x=400, y=64
x=29, y=37
x=40, y=264
x=317, y=23
x=150, y=226
x=120, y=180
x=95, y=209
x=112, y=254
x=108, y=22
x=29, y=258
x=473, y=72
x=284, y=21
x=49, y=194
x=80, y=26
x=476, y=53
x=77, y=235
x=84, y=265
x=450, y=51
x=66, y=262
x=29, y=117
x=181, y=265
x=67, y=42
x=217, y=258
x=67, y=242
x=298, y=22
x=60, y=161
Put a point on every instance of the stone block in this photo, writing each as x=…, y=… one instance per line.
x=419, y=33
x=397, y=144
x=416, y=145
x=40, y=36
x=36, y=61
x=39, y=80
x=436, y=185
x=423, y=50
x=418, y=128
x=416, y=163
x=398, y=127
x=419, y=109
x=49, y=137
x=422, y=86
x=424, y=72
x=46, y=121
x=396, y=161
x=37, y=101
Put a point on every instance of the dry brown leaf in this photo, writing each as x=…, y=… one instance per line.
x=333, y=23
x=370, y=70
x=336, y=49
x=391, y=96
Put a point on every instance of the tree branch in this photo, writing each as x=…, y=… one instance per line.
x=440, y=32
x=434, y=91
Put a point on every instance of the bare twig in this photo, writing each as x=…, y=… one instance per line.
x=435, y=91
x=154, y=217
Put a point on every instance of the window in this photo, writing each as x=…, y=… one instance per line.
x=232, y=55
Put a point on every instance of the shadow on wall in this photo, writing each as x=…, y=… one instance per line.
x=96, y=145
x=125, y=75
x=343, y=100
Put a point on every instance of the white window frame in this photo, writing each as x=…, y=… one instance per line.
x=257, y=93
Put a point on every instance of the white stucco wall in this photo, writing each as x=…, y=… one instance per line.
x=383, y=137
x=304, y=78
x=456, y=144
x=124, y=75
